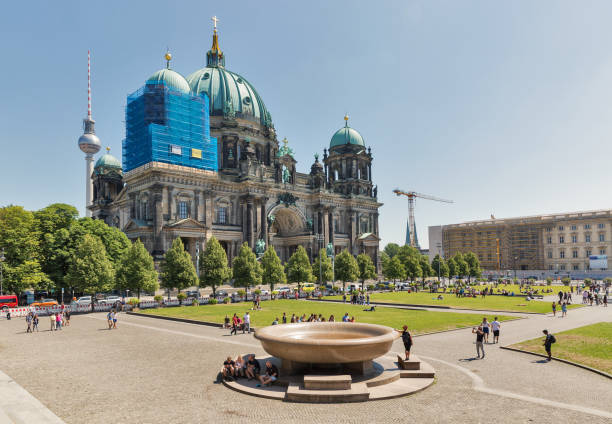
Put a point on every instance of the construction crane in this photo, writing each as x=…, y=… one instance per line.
x=411, y=238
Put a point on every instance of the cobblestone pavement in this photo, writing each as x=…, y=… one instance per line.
x=150, y=371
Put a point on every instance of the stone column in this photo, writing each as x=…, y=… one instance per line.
x=249, y=223
x=331, y=225
x=264, y=221
x=353, y=231
x=171, y=203
x=243, y=212
x=194, y=204
x=370, y=172
x=209, y=210
x=376, y=224
x=326, y=227
x=132, y=197
x=158, y=222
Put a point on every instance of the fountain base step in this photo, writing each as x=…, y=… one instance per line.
x=358, y=392
x=327, y=382
x=414, y=363
x=425, y=371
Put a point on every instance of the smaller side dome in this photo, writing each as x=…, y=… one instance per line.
x=107, y=162
x=346, y=135
x=171, y=79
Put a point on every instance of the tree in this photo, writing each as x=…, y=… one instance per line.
x=20, y=239
x=136, y=271
x=90, y=270
x=473, y=264
x=391, y=249
x=214, y=270
x=426, y=269
x=462, y=266
x=272, y=269
x=452, y=267
x=115, y=241
x=347, y=268
x=245, y=268
x=366, y=268
x=413, y=269
x=177, y=270
x=394, y=270
x=440, y=266
x=324, y=264
x=53, y=224
x=298, y=268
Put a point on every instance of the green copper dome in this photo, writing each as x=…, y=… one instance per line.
x=107, y=162
x=230, y=94
x=346, y=135
x=172, y=80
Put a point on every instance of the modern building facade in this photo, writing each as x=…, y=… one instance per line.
x=241, y=184
x=556, y=244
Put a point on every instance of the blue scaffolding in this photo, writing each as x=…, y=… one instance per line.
x=163, y=125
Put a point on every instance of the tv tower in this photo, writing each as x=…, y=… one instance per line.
x=89, y=143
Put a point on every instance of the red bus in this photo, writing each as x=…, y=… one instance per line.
x=8, y=301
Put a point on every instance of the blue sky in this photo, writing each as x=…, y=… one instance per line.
x=503, y=107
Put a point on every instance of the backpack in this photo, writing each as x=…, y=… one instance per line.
x=552, y=339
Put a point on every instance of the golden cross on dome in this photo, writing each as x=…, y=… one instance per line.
x=215, y=20
x=107, y=149
x=285, y=141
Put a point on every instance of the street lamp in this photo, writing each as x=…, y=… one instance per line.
x=2, y=258
x=320, y=238
x=439, y=245
x=330, y=253
x=515, y=259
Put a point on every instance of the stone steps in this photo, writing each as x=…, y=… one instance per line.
x=425, y=371
x=413, y=364
x=357, y=393
x=327, y=382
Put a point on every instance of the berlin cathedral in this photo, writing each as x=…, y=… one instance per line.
x=201, y=158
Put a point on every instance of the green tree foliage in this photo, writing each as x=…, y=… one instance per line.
x=20, y=239
x=474, y=270
x=136, y=271
x=56, y=246
x=409, y=257
x=177, y=270
x=443, y=266
x=367, y=271
x=298, y=267
x=214, y=270
x=245, y=268
x=462, y=267
x=326, y=267
x=452, y=267
x=426, y=269
x=272, y=269
x=346, y=268
x=392, y=249
x=90, y=270
x=393, y=269
x=115, y=241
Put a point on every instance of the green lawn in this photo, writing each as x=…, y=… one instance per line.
x=494, y=303
x=590, y=345
x=419, y=322
x=517, y=289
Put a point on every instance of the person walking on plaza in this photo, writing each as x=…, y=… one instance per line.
x=548, y=341
x=52, y=321
x=67, y=317
x=115, y=316
x=29, y=322
x=234, y=325
x=407, y=340
x=495, y=326
x=479, y=341
x=109, y=319
x=247, y=323
x=35, y=323
x=485, y=329
x=563, y=309
x=554, y=309
x=58, y=321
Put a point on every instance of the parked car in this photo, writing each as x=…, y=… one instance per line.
x=265, y=292
x=284, y=290
x=110, y=300
x=44, y=303
x=221, y=293
x=8, y=301
x=192, y=293
x=84, y=300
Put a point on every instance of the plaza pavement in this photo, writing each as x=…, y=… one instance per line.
x=150, y=371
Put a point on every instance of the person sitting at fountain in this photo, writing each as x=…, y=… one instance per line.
x=228, y=369
x=253, y=369
x=275, y=322
x=345, y=318
x=321, y=318
x=331, y=318
x=239, y=367
x=293, y=320
x=270, y=376
x=352, y=319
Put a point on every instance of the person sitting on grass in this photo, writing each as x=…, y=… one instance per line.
x=228, y=369
x=331, y=318
x=270, y=376
x=370, y=309
x=253, y=368
x=239, y=367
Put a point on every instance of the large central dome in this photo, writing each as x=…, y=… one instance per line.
x=230, y=94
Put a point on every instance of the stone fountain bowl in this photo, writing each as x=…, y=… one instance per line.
x=327, y=342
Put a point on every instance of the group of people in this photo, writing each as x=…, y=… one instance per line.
x=482, y=334
x=237, y=323
x=250, y=369
x=358, y=298
x=243, y=324
x=597, y=296
x=56, y=319
x=563, y=306
x=111, y=318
